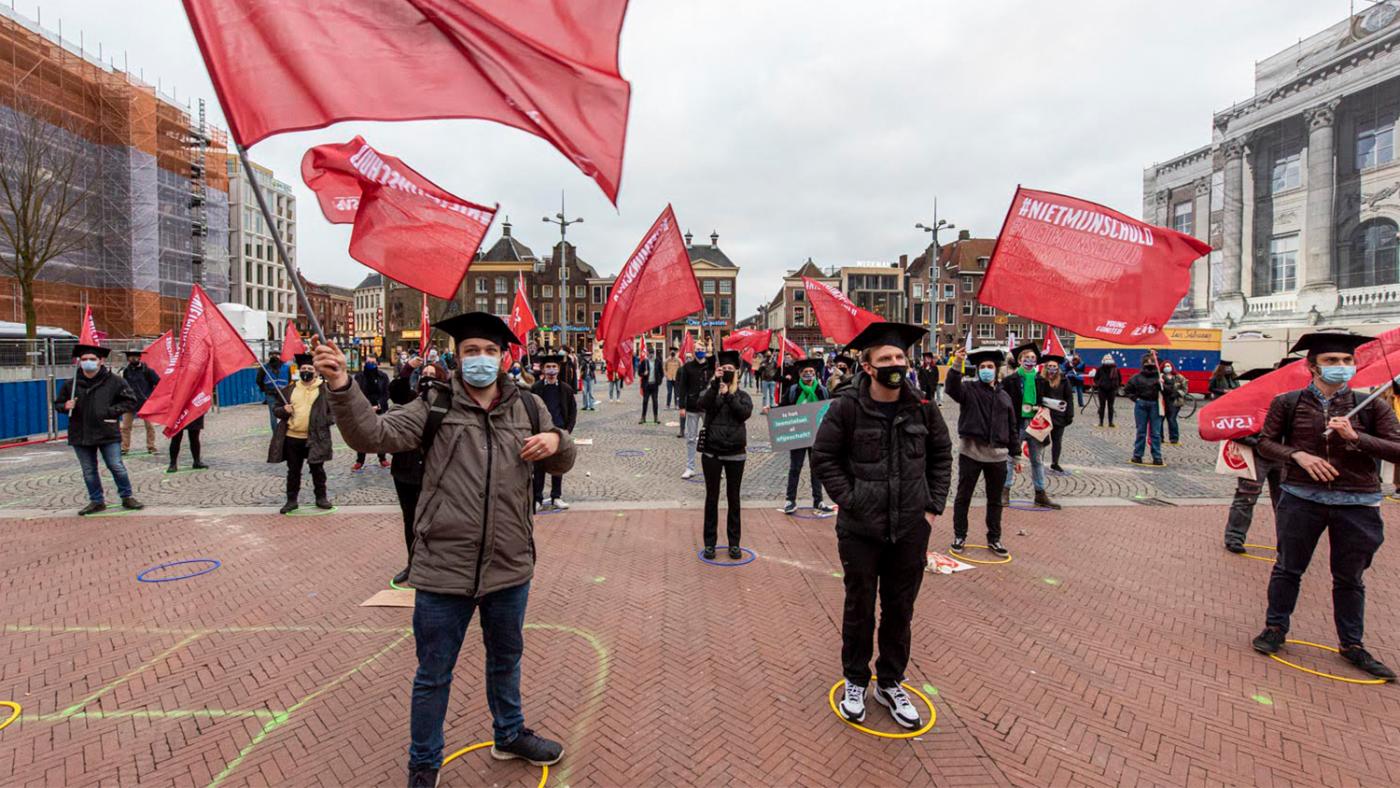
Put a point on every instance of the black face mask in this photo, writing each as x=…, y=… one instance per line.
x=892, y=376
x=308, y=375
x=1149, y=370
x=728, y=377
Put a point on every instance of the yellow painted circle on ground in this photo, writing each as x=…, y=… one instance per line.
x=1260, y=557
x=1005, y=560
x=544, y=770
x=928, y=726
x=1332, y=676
x=14, y=713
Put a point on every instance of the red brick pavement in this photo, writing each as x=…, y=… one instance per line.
x=1112, y=651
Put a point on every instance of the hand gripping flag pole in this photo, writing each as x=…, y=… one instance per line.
x=251, y=177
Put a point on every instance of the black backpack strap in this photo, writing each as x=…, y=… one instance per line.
x=1290, y=405
x=439, y=404
x=532, y=409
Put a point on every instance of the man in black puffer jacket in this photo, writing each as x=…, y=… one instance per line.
x=94, y=401
x=886, y=459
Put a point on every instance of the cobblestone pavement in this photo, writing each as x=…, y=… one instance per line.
x=609, y=468
x=1112, y=651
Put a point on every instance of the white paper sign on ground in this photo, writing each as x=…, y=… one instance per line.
x=940, y=564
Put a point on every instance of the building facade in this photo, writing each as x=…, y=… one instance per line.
x=962, y=266
x=719, y=291
x=334, y=307
x=1299, y=189
x=258, y=278
x=369, y=307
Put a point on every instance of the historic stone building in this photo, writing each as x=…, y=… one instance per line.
x=1299, y=190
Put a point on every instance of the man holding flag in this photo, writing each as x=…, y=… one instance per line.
x=94, y=400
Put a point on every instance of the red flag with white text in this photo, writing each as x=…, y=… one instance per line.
x=748, y=339
x=160, y=354
x=1088, y=269
x=88, y=334
x=654, y=287
x=1241, y=412
x=292, y=343
x=838, y=317
x=406, y=227
x=210, y=350
x=541, y=66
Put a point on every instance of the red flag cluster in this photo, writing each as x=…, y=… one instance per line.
x=1089, y=269
x=406, y=227
x=210, y=350
x=541, y=66
x=749, y=340
x=838, y=317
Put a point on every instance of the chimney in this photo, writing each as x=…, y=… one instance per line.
x=688, y=236
x=505, y=228
x=964, y=235
x=714, y=238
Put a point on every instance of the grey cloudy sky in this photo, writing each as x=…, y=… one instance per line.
x=817, y=128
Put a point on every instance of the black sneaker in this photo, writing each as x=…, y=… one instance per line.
x=422, y=778
x=323, y=502
x=1270, y=640
x=535, y=749
x=1234, y=547
x=1362, y=659
x=92, y=508
x=1055, y=466
x=997, y=548
x=401, y=577
x=173, y=468
x=709, y=554
x=958, y=544
x=789, y=507
x=199, y=466
x=1136, y=461
x=824, y=508
x=132, y=503
x=288, y=507
x=1157, y=461
x=735, y=553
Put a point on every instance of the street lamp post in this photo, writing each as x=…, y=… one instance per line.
x=932, y=229
x=563, y=223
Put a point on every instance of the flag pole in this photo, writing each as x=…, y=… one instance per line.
x=251, y=177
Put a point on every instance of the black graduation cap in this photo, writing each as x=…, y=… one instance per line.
x=1031, y=346
x=980, y=355
x=730, y=357
x=809, y=363
x=478, y=325
x=303, y=359
x=134, y=353
x=901, y=335
x=96, y=350
x=1328, y=342
x=845, y=359
x=1048, y=357
x=550, y=359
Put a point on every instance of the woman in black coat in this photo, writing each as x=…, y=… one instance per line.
x=1058, y=388
x=1107, y=381
x=723, y=449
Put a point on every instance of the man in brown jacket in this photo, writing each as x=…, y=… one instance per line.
x=474, y=546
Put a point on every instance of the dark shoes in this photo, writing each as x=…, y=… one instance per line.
x=958, y=544
x=199, y=466
x=92, y=508
x=790, y=507
x=322, y=502
x=1006, y=496
x=527, y=746
x=1042, y=499
x=288, y=507
x=422, y=778
x=996, y=547
x=1136, y=461
x=1055, y=466
x=709, y=554
x=173, y=468
x=1157, y=461
x=1270, y=640
x=401, y=577
x=823, y=508
x=1362, y=659
x=1234, y=547
x=132, y=503
x=735, y=553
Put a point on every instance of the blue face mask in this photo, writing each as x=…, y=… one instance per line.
x=88, y=366
x=479, y=371
x=986, y=375
x=699, y=355
x=1338, y=374
x=371, y=366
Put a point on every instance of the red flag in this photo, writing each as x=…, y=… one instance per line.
x=160, y=354
x=790, y=347
x=406, y=227
x=1053, y=346
x=748, y=354
x=838, y=317
x=1241, y=412
x=88, y=334
x=1088, y=269
x=687, y=346
x=644, y=356
x=541, y=66
x=625, y=368
x=1378, y=361
x=748, y=339
x=425, y=329
x=210, y=350
x=657, y=285
x=291, y=343
x=521, y=322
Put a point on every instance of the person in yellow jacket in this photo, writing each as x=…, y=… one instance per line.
x=303, y=434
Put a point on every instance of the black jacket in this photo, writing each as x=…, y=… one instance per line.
x=142, y=380
x=1012, y=385
x=375, y=385
x=1142, y=387
x=986, y=413
x=1065, y=393
x=649, y=374
x=567, y=403
x=692, y=381
x=101, y=400
x=885, y=474
x=725, y=414
x=405, y=466
x=927, y=380
x=1108, y=379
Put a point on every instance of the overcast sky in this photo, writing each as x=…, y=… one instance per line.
x=818, y=128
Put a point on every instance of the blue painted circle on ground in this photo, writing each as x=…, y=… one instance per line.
x=216, y=564
x=751, y=556
x=629, y=453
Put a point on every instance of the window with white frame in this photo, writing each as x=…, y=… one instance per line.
x=502, y=284
x=1182, y=217
x=799, y=316
x=1037, y=331
x=1288, y=172
x=986, y=331
x=481, y=284
x=726, y=286
x=547, y=291
x=1375, y=143
x=949, y=291
x=1283, y=263
x=967, y=308
x=482, y=303
x=580, y=292
x=918, y=290
x=708, y=286
x=968, y=286
x=502, y=306
x=1017, y=329
x=948, y=314
x=985, y=311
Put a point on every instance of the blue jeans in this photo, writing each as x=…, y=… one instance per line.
x=1037, y=463
x=588, y=401
x=439, y=625
x=1173, y=426
x=1146, y=416
x=768, y=387
x=670, y=392
x=112, y=458
x=272, y=403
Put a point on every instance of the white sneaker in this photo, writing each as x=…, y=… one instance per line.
x=852, y=706
x=559, y=503
x=689, y=474
x=897, y=701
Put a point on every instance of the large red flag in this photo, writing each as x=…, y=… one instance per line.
x=687, y=346
x=1053, y=346
x=521, y=322
x=838, y=317
x=88, y=334
x=291, y=343
x=541, y=66
x=406, y=227
x=160, y=354
x=1378, y=361
x=1088, y=269
x=748, y=339
x=1241, y=412
x=425, y=330
x=210, y=350
x=655, y=286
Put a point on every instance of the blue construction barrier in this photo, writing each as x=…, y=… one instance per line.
x=240, y=388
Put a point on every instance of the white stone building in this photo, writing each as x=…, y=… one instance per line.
x=1299, y=190
x=257, y=279
x=369, y=306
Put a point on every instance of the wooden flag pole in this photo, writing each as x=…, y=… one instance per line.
x=251, y=176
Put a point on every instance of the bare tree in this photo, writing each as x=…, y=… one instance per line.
x=43, y=198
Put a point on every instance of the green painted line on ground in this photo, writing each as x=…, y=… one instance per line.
x=154, y=714
x=1263, y=700
x=120, y=680
x=59, y=629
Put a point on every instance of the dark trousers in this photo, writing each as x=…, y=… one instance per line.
x=1173, y=427
x=795, y=458
x=556, y=486
x=1057, y=442
x=1354, y=532
x=1106, y=398
x=895, y=571
x=995, y=475
x=733, y=477
x=650, y=394
x=360, y=457
x=439, y=627
x=194, y=445
x=1247, y=495
x=408, y=504
x=296, y=451
x=671, y=393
